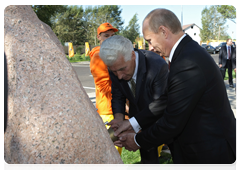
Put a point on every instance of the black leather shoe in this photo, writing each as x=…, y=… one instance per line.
x=231, y=85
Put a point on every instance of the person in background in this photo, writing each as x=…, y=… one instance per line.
x=225, y=60
x=234, y=64
x=101, y=76
x=198, y=123
x=139, y=76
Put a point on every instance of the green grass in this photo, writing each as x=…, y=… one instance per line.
x=233, y=75
x=129, y=157
x=78, y=58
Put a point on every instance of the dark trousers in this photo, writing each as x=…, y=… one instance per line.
x=229, y=67
x=150, y=156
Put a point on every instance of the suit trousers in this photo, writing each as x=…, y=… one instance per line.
x=149, y=156
x=229, y=67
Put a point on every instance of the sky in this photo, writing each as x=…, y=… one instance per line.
x=191, y=14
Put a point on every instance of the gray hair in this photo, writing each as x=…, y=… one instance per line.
x=163, y=17
x=115, y=47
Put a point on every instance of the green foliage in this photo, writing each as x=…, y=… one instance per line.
x=73, y=24
x=68, y=26
x=95, y=16
x=129, y=157
x=132, y=30
x=47, y=12
x=211, y=21
x=79, y=49
x=227, y=11
x=77, y=58
x=146, y=45
x=233, y=74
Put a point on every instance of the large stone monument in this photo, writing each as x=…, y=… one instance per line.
x=50, y=117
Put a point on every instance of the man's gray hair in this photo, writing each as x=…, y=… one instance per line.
x=115, y=47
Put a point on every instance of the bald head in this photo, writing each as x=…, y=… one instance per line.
x=163, y=17
x=162, y=29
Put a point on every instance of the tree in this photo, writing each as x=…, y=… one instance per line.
x=73, y=24
x=46, y=13
x=132, y=30
x=69, y=26
x=227, y=11
x=212, y=20
x=95, y=16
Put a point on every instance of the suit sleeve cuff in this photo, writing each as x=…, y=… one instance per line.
x=134, y=124
x=136, y=141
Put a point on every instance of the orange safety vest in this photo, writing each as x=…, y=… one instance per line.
x=102, y=83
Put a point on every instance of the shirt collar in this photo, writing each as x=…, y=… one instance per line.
x=174, y=47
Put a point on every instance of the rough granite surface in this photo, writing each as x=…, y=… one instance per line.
x=50, y=117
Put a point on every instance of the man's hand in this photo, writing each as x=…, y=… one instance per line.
x=127, y=141
x=118, y=142
x=235, y=69
x=115, y=124
x=118, y=117
x=123, y=126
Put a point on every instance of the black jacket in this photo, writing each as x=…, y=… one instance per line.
x=198, y=117
x=223, y=56
x=234, y=59
x=151, y=83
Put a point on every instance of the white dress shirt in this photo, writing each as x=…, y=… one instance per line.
x=132, y=120
x=134, y=77
x=174, y=47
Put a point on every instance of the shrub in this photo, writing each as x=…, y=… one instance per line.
x=77, y=57
x=79, y=49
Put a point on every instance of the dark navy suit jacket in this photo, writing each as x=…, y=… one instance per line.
x=198, y=122
x=150, y=85
x=223, y=56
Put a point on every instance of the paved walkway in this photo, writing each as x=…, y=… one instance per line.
x=232, y=95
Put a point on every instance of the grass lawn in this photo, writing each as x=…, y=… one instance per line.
x=233, y=75
x=77, y=58
x=134, y=157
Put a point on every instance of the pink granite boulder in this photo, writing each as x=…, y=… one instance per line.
x=50, y=117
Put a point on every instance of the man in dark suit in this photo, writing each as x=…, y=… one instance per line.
x=226, y=60
x=139, y=76
x=198, y=123
x=234, y=64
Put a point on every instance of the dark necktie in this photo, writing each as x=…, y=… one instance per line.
x=169, y=63
x=133, y=87
x=229, y=53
